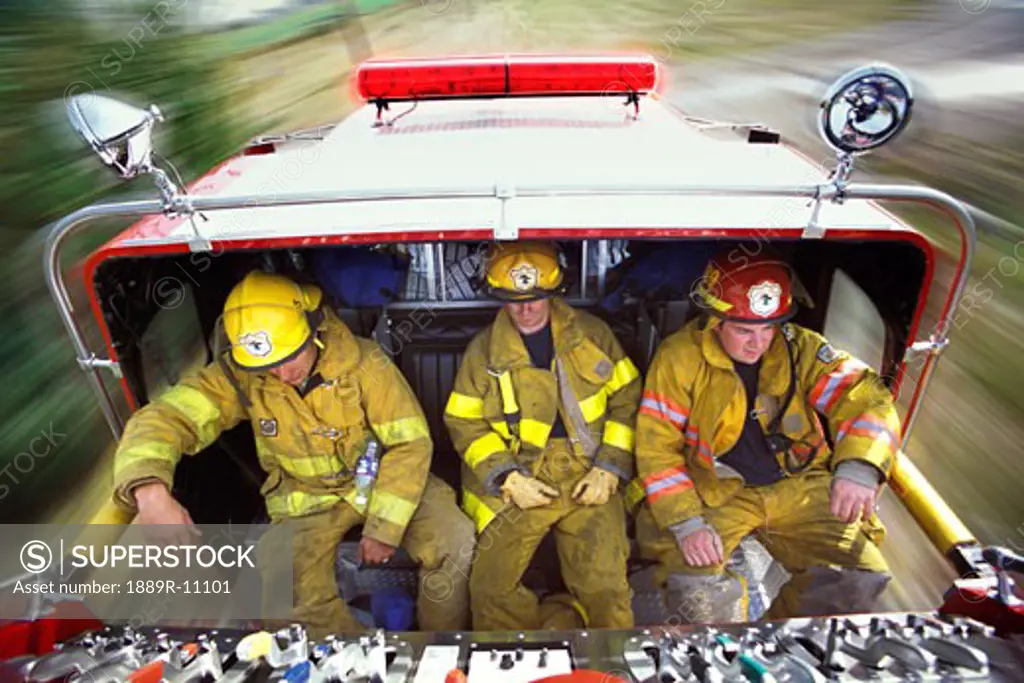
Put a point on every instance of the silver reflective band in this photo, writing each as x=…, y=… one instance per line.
x=140, y=556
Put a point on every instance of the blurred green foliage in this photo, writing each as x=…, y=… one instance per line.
x=296, y=26
x=969, y=436
x=49, y=52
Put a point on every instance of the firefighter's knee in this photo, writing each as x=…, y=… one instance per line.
x=462, y=545
x=459, y=542
x=832, y=590
x=461, y=550
x=445, y=568
x=562, y=612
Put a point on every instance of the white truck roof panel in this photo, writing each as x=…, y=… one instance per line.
x=509, y=143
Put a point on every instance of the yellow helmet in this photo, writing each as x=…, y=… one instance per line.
x=523, y=271
x=267, y=319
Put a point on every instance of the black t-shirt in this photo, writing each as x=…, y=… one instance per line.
x=751, y=455
x=541, y=347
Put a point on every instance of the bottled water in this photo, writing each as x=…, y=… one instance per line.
x=366, y=471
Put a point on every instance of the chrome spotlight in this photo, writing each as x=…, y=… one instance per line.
x=865, y=109
x=119, y=133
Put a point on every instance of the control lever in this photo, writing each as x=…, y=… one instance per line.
x=1005, y=561
x=283, y=648
x=259, y=671
x=795, y=670
x=325, y=649
x=377, y=656
x=205, y=665
x=763, y=647
x=366, y=659
x=923, y=626
x=403, y=662
x=701, y=658
x=813, y=646
x=787, y=641
x=343, y=663
x=93, y=643
x=110, y=672
x=57, y=665
x=674, y=662
x=94, y=656
x=289, y=646
x=940, y=638
x=981, y=637
x=959, y=655
x=884, y=646
x=735, y=664
x=638, y=653
x=170, y=651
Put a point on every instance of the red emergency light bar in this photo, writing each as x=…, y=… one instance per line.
x=507, y=76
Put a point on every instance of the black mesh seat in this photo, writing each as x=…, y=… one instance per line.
x=428, y=344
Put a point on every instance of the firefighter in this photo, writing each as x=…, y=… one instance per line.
x=732, y=441
x=543, y=414
x=317, y=398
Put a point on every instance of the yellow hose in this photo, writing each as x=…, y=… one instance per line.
x=927, y=507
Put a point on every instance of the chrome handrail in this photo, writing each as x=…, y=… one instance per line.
x=821, y=192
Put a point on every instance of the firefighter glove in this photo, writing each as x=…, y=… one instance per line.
x=596, y=487
x=526, y=492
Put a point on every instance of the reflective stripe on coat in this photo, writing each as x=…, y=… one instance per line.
x=603, y=383
x=694, y=406
x=308, y=445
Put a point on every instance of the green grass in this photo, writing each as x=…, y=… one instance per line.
x=298, y=25
x=678, y=32
x=969, y=436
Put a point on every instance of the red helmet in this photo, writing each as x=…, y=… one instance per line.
x=746, y=289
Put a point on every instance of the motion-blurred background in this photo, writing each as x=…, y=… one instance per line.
x=223, y=72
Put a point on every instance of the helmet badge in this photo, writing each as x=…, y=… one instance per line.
x=765, y=298
x=256, y=343
x=524, y=277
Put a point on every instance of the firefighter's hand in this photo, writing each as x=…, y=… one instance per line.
x=851, y=501
x=167, y=522
x=526, y=492
x=702, y=548
x=374, y=552
x=596, y=487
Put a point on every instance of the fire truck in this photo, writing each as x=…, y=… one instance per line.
x=441, y=158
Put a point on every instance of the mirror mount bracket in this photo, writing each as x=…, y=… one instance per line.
x=840, y=176
x=177, y=203
x=833, y=190
x=173, y=200
x=102, y=363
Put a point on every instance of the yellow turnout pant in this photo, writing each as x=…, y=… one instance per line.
x=836, y=567
x=592, y=551
x=439, y=538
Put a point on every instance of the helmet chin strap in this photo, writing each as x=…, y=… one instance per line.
x=225, y=366
x=315, y=319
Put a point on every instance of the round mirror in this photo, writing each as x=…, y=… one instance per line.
x=865, y=108
x=119, y=133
